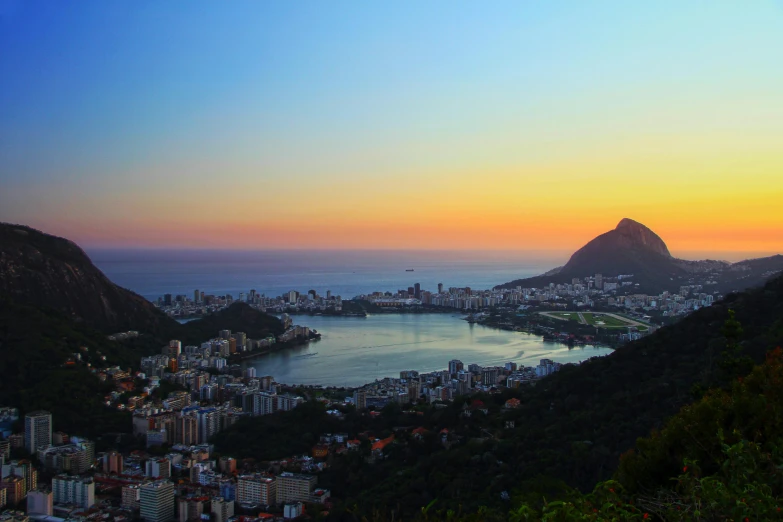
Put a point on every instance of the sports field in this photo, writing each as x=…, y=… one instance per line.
x=598, y=319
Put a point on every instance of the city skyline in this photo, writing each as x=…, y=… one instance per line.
x=438, y=126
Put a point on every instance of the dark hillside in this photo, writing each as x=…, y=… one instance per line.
x=575, y=425
x=44, y=270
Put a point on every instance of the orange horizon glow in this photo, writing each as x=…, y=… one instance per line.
x=530, y=126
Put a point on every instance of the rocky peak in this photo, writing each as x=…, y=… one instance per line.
x=636, y=234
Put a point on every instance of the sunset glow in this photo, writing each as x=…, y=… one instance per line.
x=520, y=126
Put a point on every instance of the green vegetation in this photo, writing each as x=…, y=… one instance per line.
x=605, y=321
x=35, y=345
x=573, y=427
x=569, y=316
x=718, y=459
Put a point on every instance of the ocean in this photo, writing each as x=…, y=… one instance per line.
x=152, y=273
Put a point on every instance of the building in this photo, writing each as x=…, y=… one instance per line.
x=222, y=509
x=294, y=487
x=70, y=458
x=455, y=366
x=14, y=489
x=173, y=349
x=159, y=468
x=113, y=462
x=37, y=431
x=22, y=468
x=73, y=490
x=40, y=502
x=360, y=399
x=292, y=511
x=130, y=496
x=156, y=500
x=191, y=508
x=257, y=489
x=264, y=403
x=187, y=430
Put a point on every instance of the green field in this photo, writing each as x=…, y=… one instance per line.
x=604, y=321
x=571, y=316
x=597, y=319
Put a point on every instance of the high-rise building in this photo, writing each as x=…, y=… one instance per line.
x=40, y=502
x=156, y=500
x=440, y=288
x=113, y=462
x=196, y=296
x=37, y=431
x=73, y=490
x=294, y=487
x=455, y=366
x=222, y=509
x=187, y=430
x=21, y=468
x=173, y=349
x=167, y=299
x=264, y=403
x=208, y=424
x=130, y=496
x=241, y=339
x=159, y=468
x=257, y=489
x=360, y=399
x=417, y=290
x=599, y=281
x=14, y=489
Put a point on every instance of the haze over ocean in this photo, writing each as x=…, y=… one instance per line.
x=152, y=273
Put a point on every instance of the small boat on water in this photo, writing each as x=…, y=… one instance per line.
x=409, y=270
x=306, y=355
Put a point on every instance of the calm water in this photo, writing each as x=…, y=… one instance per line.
x=354, y=351
x=153, y=273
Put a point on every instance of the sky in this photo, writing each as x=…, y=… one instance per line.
x=389, y=125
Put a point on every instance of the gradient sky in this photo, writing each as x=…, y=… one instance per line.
x=439, y=124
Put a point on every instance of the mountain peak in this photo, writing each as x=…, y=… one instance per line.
x=630, y=248
x=628, y=223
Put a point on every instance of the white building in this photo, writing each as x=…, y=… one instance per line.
x=157, y=501
x=257, y=489
x=73, y=490
x=40, y=502
x=222, y=509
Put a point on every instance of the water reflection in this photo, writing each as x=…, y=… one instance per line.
x=353, y=351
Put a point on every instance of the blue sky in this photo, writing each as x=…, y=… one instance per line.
x=112, y=113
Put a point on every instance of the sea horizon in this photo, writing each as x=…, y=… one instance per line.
x=153, y=273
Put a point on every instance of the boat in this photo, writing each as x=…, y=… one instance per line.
x=409, y=270
x=306, y=355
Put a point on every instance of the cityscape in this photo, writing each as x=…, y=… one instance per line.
x=267, y=261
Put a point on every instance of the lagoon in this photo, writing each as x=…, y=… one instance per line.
x=355, y=351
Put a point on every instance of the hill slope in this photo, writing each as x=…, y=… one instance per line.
x=574, y=425
x=44, y=270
